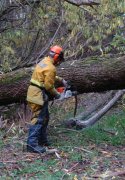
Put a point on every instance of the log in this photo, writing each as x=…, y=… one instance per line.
x=94, y=74
x=13, y=86
x=96, y=117
x=91, y=110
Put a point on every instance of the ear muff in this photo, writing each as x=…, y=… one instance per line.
x=56, y=57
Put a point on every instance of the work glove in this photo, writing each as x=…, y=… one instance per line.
x=74, y=93
x=65, y=95
x=57, y=96
x=65, y=83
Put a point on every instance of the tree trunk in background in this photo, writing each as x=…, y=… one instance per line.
x=90, y=75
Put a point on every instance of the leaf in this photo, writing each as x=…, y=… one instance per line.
x=107, y=154
x=9, y=49
x=75, y=177
x=57, y=155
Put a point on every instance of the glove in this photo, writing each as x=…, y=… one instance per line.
x=74, y=93
x=65, y=83
x=57, y=96
x=68, y=94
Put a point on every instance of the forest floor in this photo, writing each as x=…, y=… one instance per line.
x=97, y=152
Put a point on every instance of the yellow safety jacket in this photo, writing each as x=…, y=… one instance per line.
x=44, y=76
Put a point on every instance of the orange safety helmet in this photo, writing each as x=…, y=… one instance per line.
x=56, y=52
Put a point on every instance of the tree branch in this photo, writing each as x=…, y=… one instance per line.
x=91, y=110
x=83, y=2
x=98, y=115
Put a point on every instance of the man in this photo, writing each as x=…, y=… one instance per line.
x=41, y=87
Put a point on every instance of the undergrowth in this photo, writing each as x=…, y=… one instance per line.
x=80, y=153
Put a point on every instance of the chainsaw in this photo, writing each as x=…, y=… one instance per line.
x=67, y=92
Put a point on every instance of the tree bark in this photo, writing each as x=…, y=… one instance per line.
x=89, y=75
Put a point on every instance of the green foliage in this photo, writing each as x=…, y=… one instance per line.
x=97, y=24
x=118, y=43
x=1, y=144
x=7, y=54
x=82, y=27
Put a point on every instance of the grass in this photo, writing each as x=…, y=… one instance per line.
x=82, y=152
x=111, y=129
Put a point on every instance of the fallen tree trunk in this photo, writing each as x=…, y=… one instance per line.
x=101, y=101
x=91, y=110
x=90, y=75
x=99, y=114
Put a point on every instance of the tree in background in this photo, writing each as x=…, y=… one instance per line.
x=28, y=28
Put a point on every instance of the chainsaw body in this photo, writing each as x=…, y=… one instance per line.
x=66, y=92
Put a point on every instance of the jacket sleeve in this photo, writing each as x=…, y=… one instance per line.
x=58, y=79
x=49, y=81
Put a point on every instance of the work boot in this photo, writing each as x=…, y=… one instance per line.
x=36, y=149
x=45, y=143
x=32, y=141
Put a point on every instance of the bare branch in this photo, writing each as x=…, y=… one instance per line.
x=109, y=174
x=91, y=110
x=98, y=115
x=51, y=41
x=83, y=2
